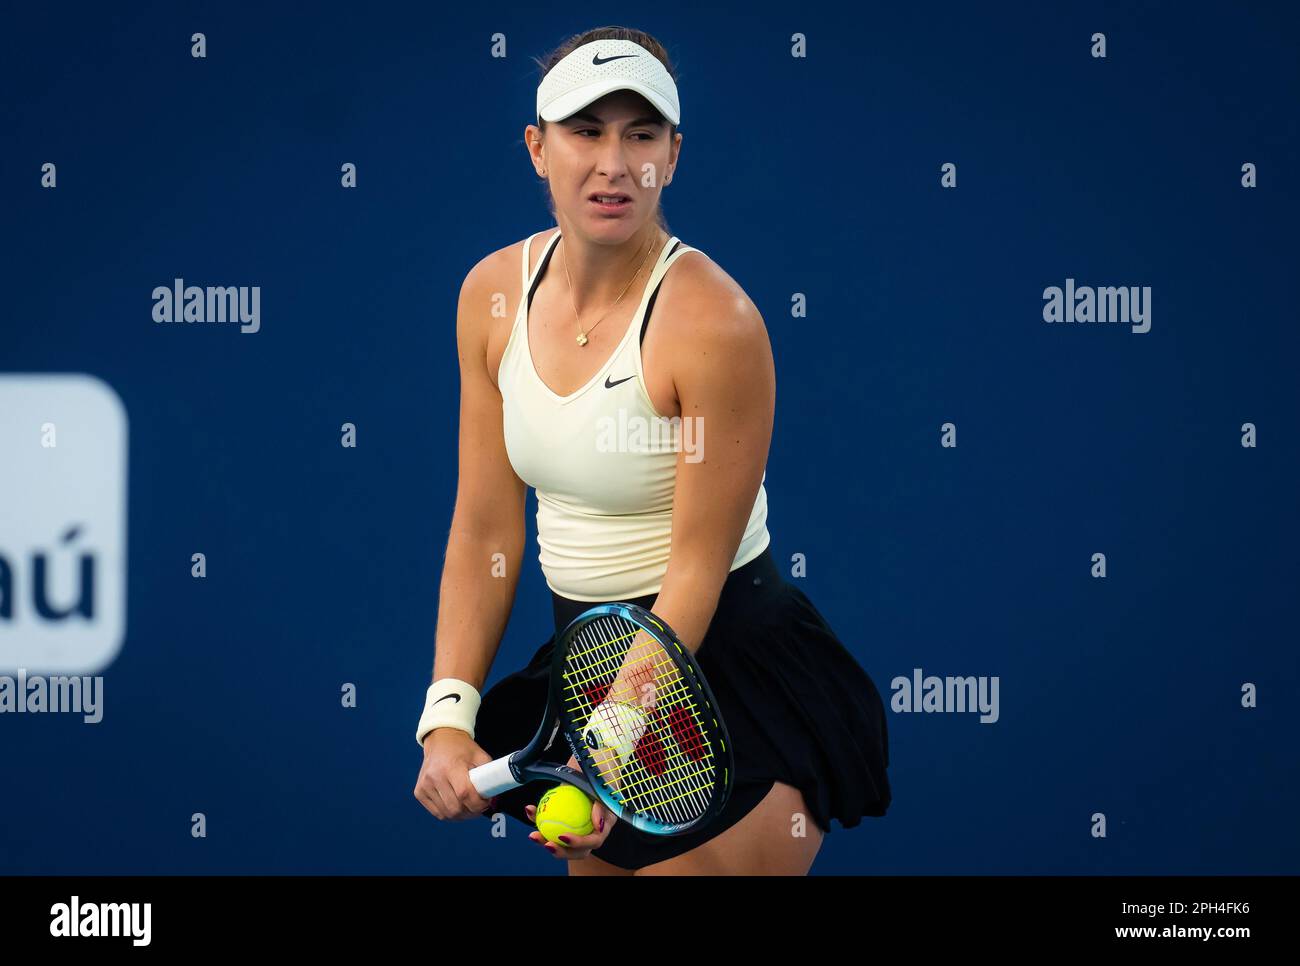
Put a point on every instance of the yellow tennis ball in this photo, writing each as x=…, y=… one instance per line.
x=563, y=810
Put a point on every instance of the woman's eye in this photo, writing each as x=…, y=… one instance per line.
x=639, y=135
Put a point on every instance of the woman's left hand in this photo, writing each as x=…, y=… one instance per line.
x=576, y=846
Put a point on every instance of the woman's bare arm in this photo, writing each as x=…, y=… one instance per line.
x=478, y=586
x=725, y=381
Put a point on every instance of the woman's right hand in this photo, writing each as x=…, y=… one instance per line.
x=444, y=787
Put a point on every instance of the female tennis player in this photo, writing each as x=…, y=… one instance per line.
x=629, y=380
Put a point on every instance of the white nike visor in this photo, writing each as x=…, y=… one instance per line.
x=595, y=69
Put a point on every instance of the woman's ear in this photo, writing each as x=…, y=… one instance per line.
x=532, y=135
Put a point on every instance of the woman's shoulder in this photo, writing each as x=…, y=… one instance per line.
x=499, y=270
x=699, y=294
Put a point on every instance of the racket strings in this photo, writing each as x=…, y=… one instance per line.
x=655, y=762
x=666, y=771
x=652, y=757
x=655, y=780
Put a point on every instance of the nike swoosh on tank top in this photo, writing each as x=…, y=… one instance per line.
x=602, y=460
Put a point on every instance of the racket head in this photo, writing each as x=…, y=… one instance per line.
x=670, y=769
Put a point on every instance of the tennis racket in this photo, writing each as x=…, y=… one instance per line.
x=639, y=718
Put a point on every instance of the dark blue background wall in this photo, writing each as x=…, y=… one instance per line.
x=819, y=176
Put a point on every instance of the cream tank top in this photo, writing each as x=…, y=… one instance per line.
x=602, y=460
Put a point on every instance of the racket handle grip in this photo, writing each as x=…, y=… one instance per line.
x=494, y=778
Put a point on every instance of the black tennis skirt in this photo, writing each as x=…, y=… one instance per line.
x=797, y=705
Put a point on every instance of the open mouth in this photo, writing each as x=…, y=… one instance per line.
x=610, y=201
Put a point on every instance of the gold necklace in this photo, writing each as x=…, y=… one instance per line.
x=582, y=336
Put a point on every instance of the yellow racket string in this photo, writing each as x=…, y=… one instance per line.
x=659, y=778
x=678, y=777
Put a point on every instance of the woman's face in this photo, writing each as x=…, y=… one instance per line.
x=616, y=146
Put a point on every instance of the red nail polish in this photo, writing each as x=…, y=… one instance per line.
x=601, y=826
x=565, y=840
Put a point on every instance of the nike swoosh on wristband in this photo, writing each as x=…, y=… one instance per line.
x=598, y=60
x=611, y=385
x=446, y=696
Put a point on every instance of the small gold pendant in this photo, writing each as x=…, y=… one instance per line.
x=582, y=339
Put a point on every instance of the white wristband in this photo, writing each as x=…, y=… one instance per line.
x=617, y=726
x=448, y=703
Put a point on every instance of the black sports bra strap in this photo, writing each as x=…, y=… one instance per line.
x=654, y=295
x=537, y=280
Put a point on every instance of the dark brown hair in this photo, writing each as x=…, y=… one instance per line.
x=607, y=33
